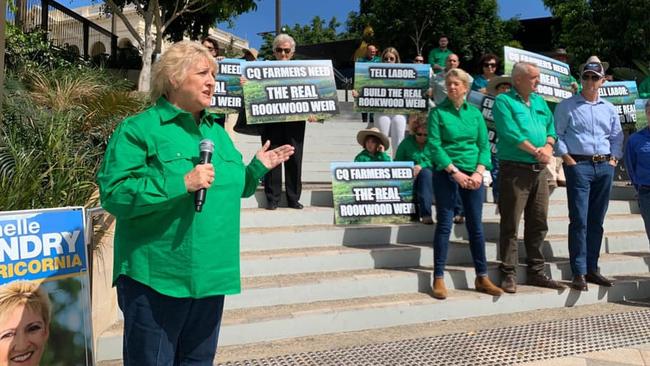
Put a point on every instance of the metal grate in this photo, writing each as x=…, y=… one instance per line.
x=501, y=346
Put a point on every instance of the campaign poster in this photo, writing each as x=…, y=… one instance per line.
x=43, y=256
x=285, y=91
x=372, y=193
x=554, y=76
x=391, y=88
x=641, y=117
x=228, y=96
x=485, y=103
x=623, y=95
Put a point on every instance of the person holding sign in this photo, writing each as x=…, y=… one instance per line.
x=413, y=149
x=24, y=323
x=392, y=125
x=374, y=145
x=590, y=142
x=526, y=133
x=459, y=149
x=173, y=265
x=637, y=162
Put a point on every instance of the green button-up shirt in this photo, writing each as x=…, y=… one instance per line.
x=160, y=240
x=438, y=57
x=458, y=136
x=409, y=150
x=517, y=122
x=365, y=156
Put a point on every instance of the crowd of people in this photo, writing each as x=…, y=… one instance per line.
x=176, y=264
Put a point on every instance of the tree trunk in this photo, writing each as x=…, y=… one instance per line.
x=144, y=81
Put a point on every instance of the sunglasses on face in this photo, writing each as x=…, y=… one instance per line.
x=421, y=134
x=489, y=65
x=389, y=58
x=593, y=78
x=418, y=61
x=283, y=50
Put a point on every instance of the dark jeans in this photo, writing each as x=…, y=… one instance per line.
x=644, y=206
x=522, y=190
x=292, y=133
x=447, y=192
x=161, y=330
x=495, y=178
x=367, y=117
x=587, y=185
x=424, y=191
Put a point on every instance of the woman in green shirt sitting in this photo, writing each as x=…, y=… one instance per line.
x=460, y=151
x=412, y=149
x=173, y=262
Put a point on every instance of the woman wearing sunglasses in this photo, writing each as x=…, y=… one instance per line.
x=489, y=65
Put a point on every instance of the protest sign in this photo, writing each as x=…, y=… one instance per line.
x=622, y=94
x=284, y=91
x=485, y=103
x=391, y=88
x=228, y=95
x=372, y=193
x=554, y=76
x=44, y=251
x=641, y=117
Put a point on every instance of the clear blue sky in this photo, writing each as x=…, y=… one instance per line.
x=302, y=11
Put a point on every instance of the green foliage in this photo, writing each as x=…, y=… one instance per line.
x=317, y=31
x=30, y=50
x=53, y=134
x=473, y=26
x=616, y=30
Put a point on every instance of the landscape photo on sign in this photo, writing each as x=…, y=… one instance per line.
x=554, y=78
x=286, y=91
x=372, y=193
x=228, y=94
x=391, y=88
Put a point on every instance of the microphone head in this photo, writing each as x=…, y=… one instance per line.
x=206, y=145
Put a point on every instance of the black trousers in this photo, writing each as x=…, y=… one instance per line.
x=292, y=133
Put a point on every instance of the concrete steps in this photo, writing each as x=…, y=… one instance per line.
x=302, y=276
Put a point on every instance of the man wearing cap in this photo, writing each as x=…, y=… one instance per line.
x=526, y=136
x=590, y=142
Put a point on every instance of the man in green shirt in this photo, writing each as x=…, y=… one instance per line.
x=437, y=56
x=526, y=133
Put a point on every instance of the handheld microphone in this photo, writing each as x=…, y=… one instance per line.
x=206, y=147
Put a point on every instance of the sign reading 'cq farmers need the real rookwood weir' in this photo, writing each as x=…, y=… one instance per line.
x=285, y=91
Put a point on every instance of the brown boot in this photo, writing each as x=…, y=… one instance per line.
x=439, y=288
x=483, y=284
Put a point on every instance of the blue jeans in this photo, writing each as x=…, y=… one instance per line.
x=424, y=191
x=644, y=206
x=447, y=192
x=588, y=185
x=167, y=331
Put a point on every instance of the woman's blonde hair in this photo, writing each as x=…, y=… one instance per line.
x=417, y=120
x=392, y=50
x=459, y=74
x=173, y=65
x=25, y=293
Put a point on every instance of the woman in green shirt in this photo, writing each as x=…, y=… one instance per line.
x=460, y=151
x=412, y=149
x=172, y=264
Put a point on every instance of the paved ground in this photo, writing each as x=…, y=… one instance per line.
x=602, y=334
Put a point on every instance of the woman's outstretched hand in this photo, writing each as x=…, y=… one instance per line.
x=272, y=158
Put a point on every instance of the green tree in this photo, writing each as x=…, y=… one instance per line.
x=174, y=19
x=616, y=30
x=317, y=31
x=414, y=26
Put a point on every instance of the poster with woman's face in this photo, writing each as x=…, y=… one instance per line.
x=44, y=289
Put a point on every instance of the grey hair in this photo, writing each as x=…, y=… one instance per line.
x=173, y=65
x=460, y=74
x=283, y=37
x=521, y=68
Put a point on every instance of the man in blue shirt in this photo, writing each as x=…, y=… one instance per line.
x=590, y=141
x=637, y=163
